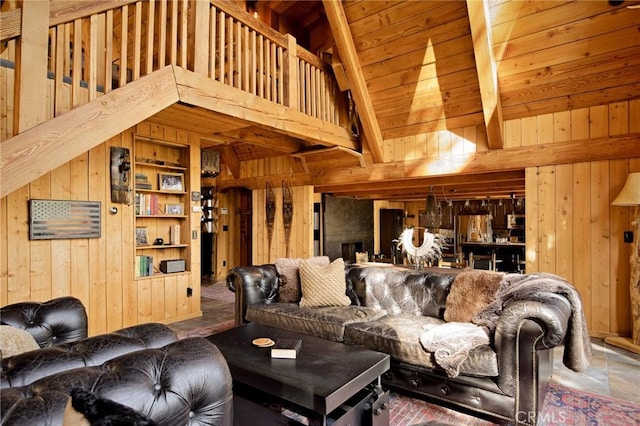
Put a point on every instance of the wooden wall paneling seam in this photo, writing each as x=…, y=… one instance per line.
x=130, y=289
x=97, y=266
x=114, y=229
x=620, y=221
x=600, y=251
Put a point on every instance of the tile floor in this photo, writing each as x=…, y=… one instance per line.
x=613, y=372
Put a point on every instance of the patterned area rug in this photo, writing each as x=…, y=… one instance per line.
x=562, y=406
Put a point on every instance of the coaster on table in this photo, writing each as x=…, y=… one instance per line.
x=263, y=342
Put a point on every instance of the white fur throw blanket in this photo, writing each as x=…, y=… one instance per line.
x=577, y=346
x=451, y=342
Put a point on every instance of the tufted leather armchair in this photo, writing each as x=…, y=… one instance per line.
x=51, y=323
x=186, y=382
x=60, y=328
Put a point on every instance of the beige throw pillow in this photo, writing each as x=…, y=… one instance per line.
x=471, y=291
x=289, y=272
x=323, y=286
x=14, y=341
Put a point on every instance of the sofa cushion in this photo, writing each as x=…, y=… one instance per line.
x=471, y=291
x=289, y=272
x=400, y=290
x=14, y=341
x=323, y=286
x=327, y=322
x=399, y=336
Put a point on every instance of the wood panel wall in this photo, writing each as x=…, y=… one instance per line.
x=301, y=239
x=572, y=228
x=97, y=271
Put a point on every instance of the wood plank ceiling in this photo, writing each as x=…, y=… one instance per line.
x=426, y=69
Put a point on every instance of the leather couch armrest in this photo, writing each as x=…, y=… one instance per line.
x=252, y=284
x=525, y=334
x=51, y=323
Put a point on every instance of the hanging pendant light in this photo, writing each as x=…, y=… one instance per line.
x=432, y=211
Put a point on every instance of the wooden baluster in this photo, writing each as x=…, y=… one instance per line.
x=280, y=75
x=267, y=70
x=60, y=104
x=238, y=54
x=183, y=32
x=150, y=37
x=91, y=56
x=261, y=66
x=247, y=69
x=137, y=40
x=307, y=85
x=274, y=75
x=230, y=51
x=173, y=51
x=213, y=21
x=76, y=68
x=108, y=51
x=221, y=51
x=162, y=33
x=301, y=95
x=252, y=70
x=124, y=23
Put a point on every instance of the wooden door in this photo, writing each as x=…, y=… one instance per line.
x=246, y=232
x=390, y=229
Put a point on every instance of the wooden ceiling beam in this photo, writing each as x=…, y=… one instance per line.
x=266, y=139
x=230, y=158
x=606, y=148
x=344, y=42
x=487, y=71
x=439, y=184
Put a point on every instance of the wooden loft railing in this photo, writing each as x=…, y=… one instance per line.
x=135, y=38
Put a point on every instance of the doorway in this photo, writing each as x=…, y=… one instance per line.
x=390, y=229
x=245, y=209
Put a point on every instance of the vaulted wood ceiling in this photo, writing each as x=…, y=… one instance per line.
x=426, y=66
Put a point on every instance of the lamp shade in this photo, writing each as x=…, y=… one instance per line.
x=630, y=194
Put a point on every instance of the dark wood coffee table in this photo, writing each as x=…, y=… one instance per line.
x=339, y=384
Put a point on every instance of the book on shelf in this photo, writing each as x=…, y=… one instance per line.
x=286, y=348
x=147, y=204
x=144, y=266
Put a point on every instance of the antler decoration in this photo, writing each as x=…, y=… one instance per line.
x=270, y=210
x=287, y=212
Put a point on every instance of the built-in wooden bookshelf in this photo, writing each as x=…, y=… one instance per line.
x=162, y=219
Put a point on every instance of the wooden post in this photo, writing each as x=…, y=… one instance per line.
x=31, y=67
x=201, y=38
x=291, y=73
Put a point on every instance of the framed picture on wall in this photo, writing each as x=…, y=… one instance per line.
x=171, y=182
x=177, y=209
x=141, y=236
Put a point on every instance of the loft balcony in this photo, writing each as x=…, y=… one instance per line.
x=209, y=67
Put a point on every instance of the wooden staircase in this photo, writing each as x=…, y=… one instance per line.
x=209, y=55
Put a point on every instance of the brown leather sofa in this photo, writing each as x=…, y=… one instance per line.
x=145, y=367
x=504, y=381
